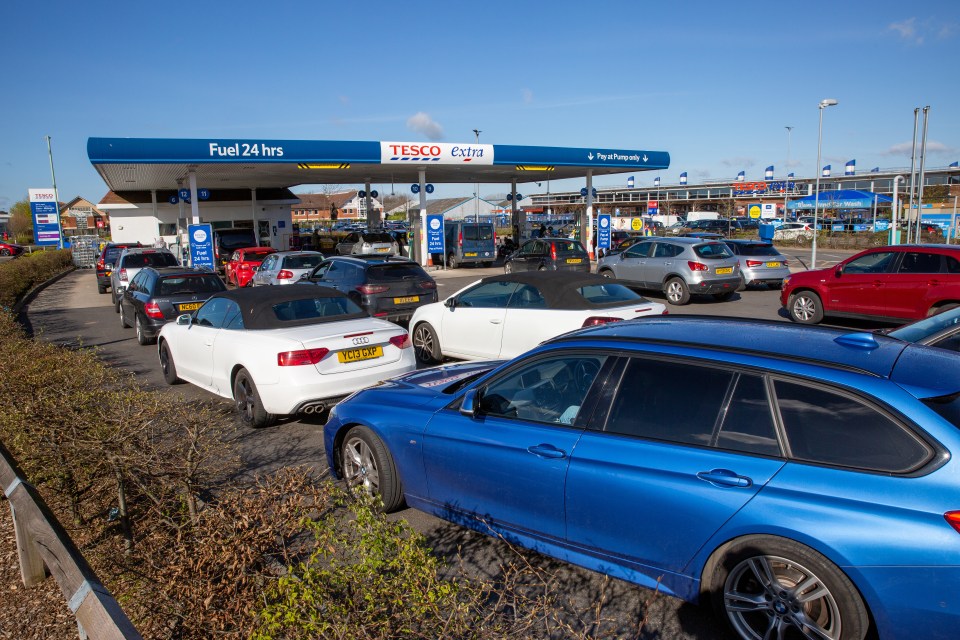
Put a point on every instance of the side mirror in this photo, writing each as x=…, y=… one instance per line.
x=838, y=271
x=303, y=276
x=450, y=303
x=470, y=403
x=184, y=320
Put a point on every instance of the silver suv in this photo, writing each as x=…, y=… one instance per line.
x=679, y=267
x=129, y=264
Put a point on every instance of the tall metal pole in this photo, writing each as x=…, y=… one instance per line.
x=476, y=210
x=56, y=195
x=923, y=153
x=894, y=212
x=826, y=102
x=786, y=180
x=913, y=165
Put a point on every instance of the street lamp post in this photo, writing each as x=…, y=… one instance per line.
x=827, y=102
x=476, y=210
x=786, y=180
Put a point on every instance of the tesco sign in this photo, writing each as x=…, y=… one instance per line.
x=439, y=153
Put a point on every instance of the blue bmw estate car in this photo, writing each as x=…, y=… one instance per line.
x=799, y=478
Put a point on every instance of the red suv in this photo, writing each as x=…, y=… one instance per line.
x=243, y=262
x=896, y=283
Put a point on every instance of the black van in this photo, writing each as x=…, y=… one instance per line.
x=469, y=243
x=226, y=241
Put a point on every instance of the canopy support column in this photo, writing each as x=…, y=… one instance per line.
x=194, y=205
x=515, y=224
x=372, y=218
x=253, y=214
x=420, y=240
x=588, y=236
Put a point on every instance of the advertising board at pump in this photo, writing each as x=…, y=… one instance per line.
x=46, y=216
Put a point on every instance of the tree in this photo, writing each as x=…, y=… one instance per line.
x=21, y=222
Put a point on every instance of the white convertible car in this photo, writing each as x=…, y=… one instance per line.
x=282, y=350
x=504, y=316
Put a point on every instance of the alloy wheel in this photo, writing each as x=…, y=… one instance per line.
x=360, y=466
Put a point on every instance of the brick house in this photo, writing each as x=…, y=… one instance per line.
x=315, y=207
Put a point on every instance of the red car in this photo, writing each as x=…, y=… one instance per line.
x=895, y=283
x=239, y=270
x=7, y=249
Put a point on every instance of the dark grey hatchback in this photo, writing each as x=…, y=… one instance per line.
x=386, y=287
x=548, y=254
x=157, y=295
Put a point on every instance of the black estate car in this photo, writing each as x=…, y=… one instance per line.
x=157, y=295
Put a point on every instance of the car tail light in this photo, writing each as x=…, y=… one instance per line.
x=367, y=289
x=284, y=275
x=123, y=275
x=304, y=356
x=697, y=266
x=460, y=239
x=754, y=263
x=953, y=518
x=427, y=284
x=593, y=321
x=152, y=309
x=553, y=251
x=100, y=264
x=401, y=341
x=666, y=312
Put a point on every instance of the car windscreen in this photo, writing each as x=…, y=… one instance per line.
x=608, y=293
x=141, y=260
x=712, y=251
x=307, y=261
x=478, y=232
x=568, y=247
x=928, y=326
x=236, y=239
x=378, y=237
x=256, y=256
x=758, y=250
x=187, y=284
x=395, y=271
x=110, y=255
x=314, y=308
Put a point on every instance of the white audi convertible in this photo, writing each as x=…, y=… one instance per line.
x=282, y=350
x=504, y=316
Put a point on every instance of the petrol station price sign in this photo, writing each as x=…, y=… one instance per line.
x=46, y=216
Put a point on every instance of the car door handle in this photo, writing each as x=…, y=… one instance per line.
x=725, y=478
x=494, y=321
x=878, y=283
x=546, y=451
x=933, y=283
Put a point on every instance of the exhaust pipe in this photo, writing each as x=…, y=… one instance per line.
x=317, y=407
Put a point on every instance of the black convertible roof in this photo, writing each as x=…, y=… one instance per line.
x=257, y=303
x=560, y=288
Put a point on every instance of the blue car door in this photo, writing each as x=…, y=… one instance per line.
x=508, y=463
x=663, y=474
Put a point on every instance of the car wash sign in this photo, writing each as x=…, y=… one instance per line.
x=46, y=216
x=435, y=153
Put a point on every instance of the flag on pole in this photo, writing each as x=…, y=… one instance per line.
x=825, y=173
x=851, y=168
x=683, y=178
x=768, y=173
x=875, y=170
x=741, y=176
x=790, y=175
x=630, y=182
x=656, y=181
x=955, y=165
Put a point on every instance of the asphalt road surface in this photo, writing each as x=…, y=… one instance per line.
x=70, y=312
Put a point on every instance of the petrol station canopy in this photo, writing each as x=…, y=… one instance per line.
x=219, y=163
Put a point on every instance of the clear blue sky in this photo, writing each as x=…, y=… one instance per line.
x=714, y=84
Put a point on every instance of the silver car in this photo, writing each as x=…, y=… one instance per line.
x=760, y=263
x=129, y=264
x=379, y=243
x=679, y=267
x=285, y=267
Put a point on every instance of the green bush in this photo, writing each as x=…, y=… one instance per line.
x=18, y=277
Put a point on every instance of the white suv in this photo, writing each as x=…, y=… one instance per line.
x=129, y=264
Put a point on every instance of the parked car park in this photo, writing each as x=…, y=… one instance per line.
x=893, y=284
x=385, y=287
x=158, y=295
x=679, y=267
x=503, y=316
x=285, y=267
x=368, y=243
x=760, y=263
x=243, y=263
x=940, y=330
x=10, y=249
x=280, y=351
x=131, y=260
x=105, y=261
x=721, y=226
x=808, y=492
x=548, y=254
x=623, y=245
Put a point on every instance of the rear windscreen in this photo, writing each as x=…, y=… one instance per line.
x=311, y=308
x=256, y=255
x=182, y=285
x=570, y=246
x=758, y=250
x=477, y=232
x=141, y=260
x=712, y=251
x=396, y=272
x=110, y=255
x=301, y=262
x=236, y=240
x=378, y=237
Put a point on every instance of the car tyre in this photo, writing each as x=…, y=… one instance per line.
x=724, y=297
x=452, y=262
x=123, y=318
x=677, y=291
x=508, y=268
x=606, y=273
x=426, y=345
x=167, y=366
x=142, y=338
x=101, y=288
x=368, y=465
x=4, y=252
x=805, y=307
x=767, y=583
x=248, y=403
